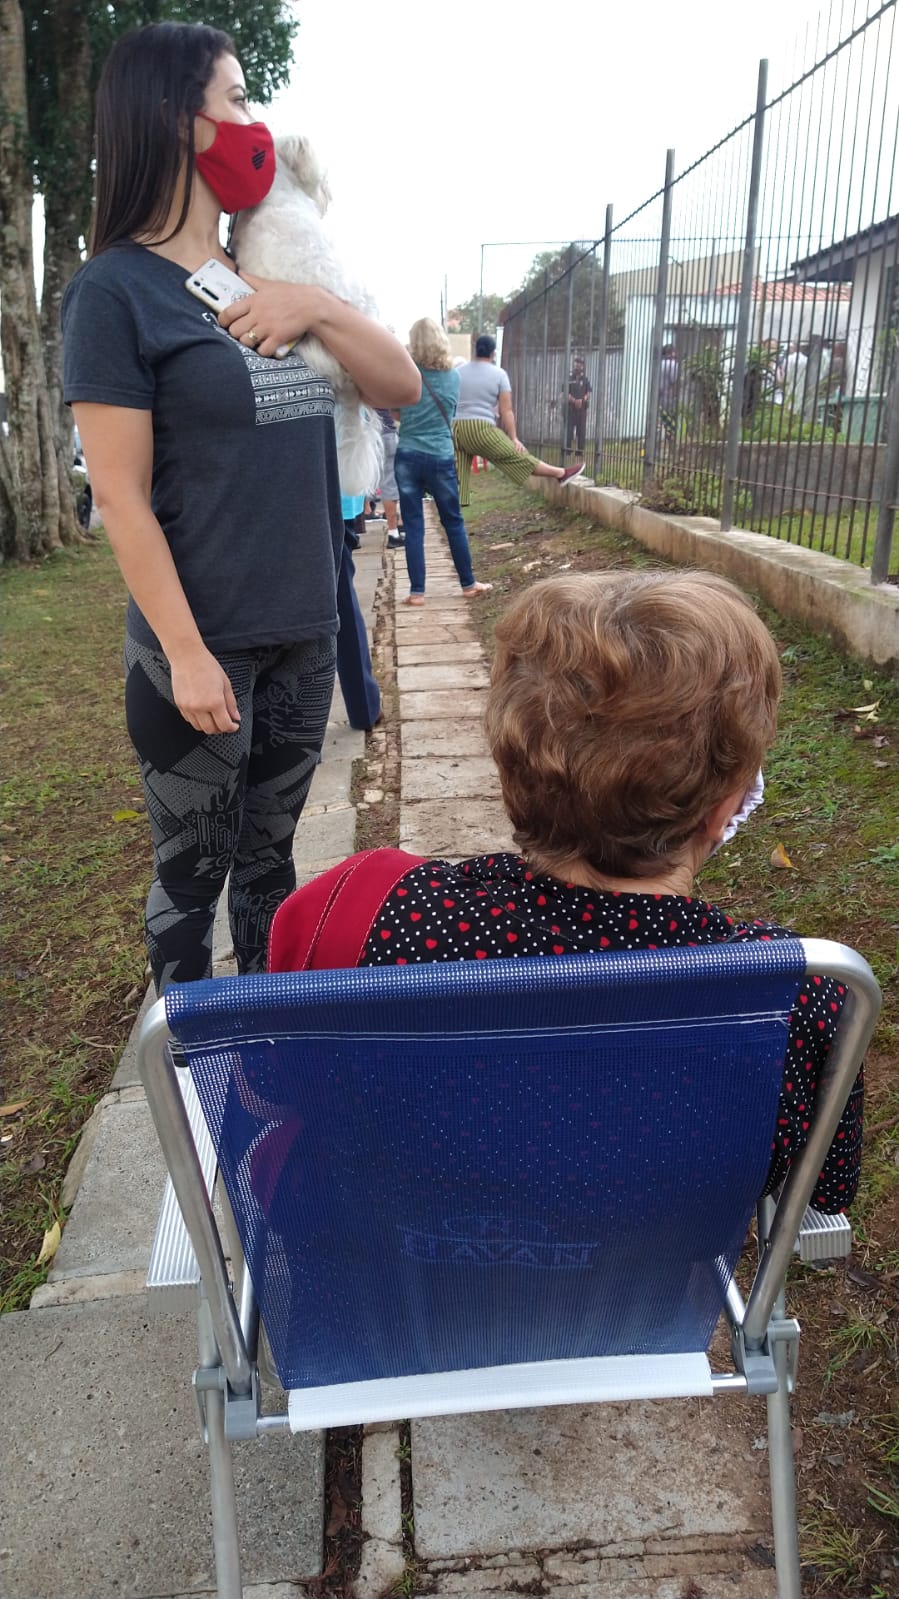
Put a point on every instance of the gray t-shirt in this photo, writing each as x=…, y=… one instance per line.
x=245, y=483
x=480, y=386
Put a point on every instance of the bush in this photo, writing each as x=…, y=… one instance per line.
x=686, y=493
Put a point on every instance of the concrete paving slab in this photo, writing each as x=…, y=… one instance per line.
x=113, y=1220
x=601, y=1474
x=408, y=617
x=429, y=634
x=327, y=836
x=454, y=828
x=431, y=704
x=610, y=1582
x=450, y=778
x=454, y=675
x=330, y=785
x=454, y=736
x=425, y=654
x=109, y=1495
x=343, y=742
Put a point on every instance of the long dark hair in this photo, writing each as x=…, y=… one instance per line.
x=153, y=84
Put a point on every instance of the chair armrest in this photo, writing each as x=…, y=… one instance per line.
x=173, y=1275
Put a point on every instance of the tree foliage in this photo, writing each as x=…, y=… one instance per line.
x=262, y=30
x=549, y=275
x=473, y=317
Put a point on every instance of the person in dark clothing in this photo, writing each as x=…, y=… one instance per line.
x=579, y=392
x=358, y=685
x=214, y=468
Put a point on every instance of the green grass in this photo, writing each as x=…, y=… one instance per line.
x=74, y=880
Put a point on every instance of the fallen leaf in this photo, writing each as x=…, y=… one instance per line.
x=338, y=1515
x=36, y=1163
x=125, y=816
x=863, y=710
x=781, y=859
x=12, y=1110
x=50, y=1244
x=861, y=1278
x=879, y=740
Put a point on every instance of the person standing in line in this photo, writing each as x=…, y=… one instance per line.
x=358, y=685
x=214, y=468
x=485, y=425
x=388, y=491
x=425, y=464
x=579, y=391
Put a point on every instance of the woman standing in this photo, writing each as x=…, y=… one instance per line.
x=485, y=425
x=214, y=467
x=425, y=463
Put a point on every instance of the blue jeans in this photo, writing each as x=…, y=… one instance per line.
x=418, y=474
x=361, y=694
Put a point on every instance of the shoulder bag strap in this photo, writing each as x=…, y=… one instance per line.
x=437, y=401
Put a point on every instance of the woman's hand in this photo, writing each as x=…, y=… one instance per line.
x=203, y=694
x=276, y=315
x=280, y=313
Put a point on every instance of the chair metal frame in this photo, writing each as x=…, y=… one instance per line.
x=764, y=1340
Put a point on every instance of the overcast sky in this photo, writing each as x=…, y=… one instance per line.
x=447, y=127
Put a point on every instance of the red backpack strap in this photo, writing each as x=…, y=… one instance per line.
x=326, y=924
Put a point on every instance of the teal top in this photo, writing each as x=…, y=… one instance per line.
x=422, y=427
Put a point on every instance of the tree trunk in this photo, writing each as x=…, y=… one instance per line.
x=67, y=197
x=38, y=509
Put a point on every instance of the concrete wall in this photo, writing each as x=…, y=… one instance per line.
x=800, y=477
x=831, y=596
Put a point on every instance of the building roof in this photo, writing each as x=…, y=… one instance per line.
x=786, y=289
x=836, y=263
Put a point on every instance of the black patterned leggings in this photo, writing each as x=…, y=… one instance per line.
x=227, y=801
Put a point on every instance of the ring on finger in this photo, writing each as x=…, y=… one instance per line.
x=252, y=336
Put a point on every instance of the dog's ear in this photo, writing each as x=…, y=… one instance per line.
x=294, y=152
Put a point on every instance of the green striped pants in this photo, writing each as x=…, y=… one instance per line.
x=472, y=438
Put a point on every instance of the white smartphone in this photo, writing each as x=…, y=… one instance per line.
x=216, y=285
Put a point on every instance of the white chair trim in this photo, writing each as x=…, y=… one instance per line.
x=524, y=1386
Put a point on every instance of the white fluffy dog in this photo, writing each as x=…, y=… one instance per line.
x=283, y=238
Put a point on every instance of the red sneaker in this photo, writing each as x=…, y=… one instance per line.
x=571, y=472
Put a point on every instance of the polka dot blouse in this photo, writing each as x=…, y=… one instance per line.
x=494, y=906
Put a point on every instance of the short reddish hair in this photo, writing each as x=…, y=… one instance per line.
x=623, y=707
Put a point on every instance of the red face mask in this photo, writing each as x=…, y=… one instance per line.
x=239, y=165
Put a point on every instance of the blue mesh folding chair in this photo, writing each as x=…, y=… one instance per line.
x=482, y=1185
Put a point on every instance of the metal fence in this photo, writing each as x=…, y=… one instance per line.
x=739, y=331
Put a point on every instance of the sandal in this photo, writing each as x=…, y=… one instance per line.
x=477, y=588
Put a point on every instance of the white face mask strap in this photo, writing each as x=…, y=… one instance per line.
x=752, y=799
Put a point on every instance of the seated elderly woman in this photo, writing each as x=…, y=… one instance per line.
x=628, y=716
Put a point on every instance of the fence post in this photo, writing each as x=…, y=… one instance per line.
x=522, y=397
x=563, y=407
x=658, y=329
x=600, y=397
x=738, y=375
x=545, y=352
x=889, y=484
